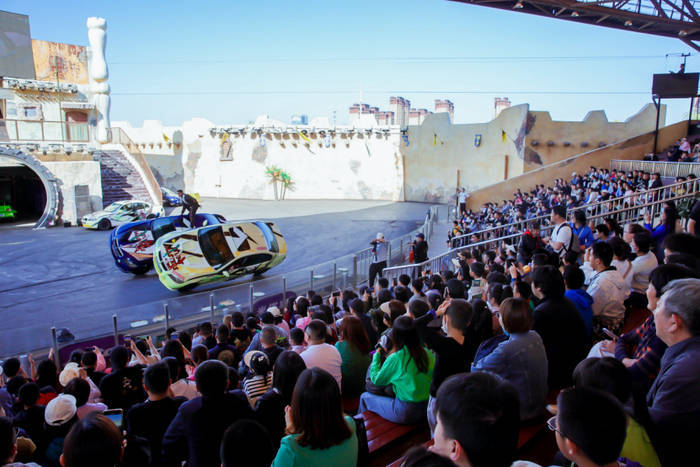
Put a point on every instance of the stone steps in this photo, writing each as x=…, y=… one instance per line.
x=120, y=180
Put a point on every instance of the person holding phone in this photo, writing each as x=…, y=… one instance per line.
x=379, y=252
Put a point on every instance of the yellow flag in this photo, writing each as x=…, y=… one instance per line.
x=224, y=137
x=503, y=136
x=165, y=138
x=304, y=137
x=434, y=139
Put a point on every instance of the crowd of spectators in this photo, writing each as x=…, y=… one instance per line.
x=597, y=185
x=475, y=352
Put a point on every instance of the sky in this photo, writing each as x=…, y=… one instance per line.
x=231, y=61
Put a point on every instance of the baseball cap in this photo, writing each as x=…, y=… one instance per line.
x=385, y=308
x=274, y=311
x=60, y=409
x=421, y=236
x=70, y=371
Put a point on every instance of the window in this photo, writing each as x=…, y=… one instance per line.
x=31, y=112
x=214, y=247
x=160, y=227
x=269, y=237
x=252, y=260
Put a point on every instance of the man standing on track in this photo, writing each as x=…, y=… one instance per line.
x=190, y=204
x=379, y=250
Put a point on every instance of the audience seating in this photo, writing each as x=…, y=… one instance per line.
x=382, y=433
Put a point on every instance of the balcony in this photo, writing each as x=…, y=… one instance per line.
x=43, y=130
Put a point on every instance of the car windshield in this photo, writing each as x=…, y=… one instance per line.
x=269, y=237
x=160, y=227
x=214, y=247
x=113, y=207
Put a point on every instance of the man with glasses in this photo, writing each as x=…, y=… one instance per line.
x=590, y=426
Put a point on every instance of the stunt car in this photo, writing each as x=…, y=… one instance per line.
x=6, y=212
x=119, y=213
x=222, y=252
x=170, y=198
x=132, y=244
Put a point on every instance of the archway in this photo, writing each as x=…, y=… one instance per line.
x=31, y=177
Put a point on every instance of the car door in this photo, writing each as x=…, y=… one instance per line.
x=136, y=241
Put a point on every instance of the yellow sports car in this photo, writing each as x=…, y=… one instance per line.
x=221, y=252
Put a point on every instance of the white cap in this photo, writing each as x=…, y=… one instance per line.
x=70, y=371
x=60, y=409
x=380, y=236
x=275, y=311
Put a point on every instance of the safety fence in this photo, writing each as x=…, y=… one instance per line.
x=666, y=169
x=256, y=294
x=640, y=207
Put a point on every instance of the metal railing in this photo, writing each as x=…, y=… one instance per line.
x=184, y=311
x=43, y=130
x=666, y=169
x=624, y=209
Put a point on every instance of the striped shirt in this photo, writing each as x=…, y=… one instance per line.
x=256, y=386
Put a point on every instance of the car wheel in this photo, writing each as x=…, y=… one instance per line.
x=143, y=269
x=104, y=224
x=187, y=288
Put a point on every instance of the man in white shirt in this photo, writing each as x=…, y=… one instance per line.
x=462, y=198
x=643, y=264
x=607, y=288
x=318, y=353
x=560, y=241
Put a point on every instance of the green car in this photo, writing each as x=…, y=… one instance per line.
x=6, y=212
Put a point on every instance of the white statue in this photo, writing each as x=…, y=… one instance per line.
x=97, y=36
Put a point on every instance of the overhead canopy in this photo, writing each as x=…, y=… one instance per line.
x=669, y=18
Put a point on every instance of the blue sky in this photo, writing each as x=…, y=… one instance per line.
x=281, y=58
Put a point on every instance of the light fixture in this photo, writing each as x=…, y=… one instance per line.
x=575, y=14
x=628, y=23
x=518, y=5
x=682, y=33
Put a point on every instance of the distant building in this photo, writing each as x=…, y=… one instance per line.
x=400, y=107
x=300, y=119
x=445, y=106
x=416, y=116
x=500, y=103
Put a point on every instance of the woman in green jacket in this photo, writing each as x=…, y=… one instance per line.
x=319, y=432
x=354, y=348
x=408, y=368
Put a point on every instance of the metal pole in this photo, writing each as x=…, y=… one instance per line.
x=116, y=332
x=284, y=291
x=656, y=129
x=690, y=112
x=335, y=275
x=167, y=317
x=211, y=307
x=311, y=279
x=250, y=299
x=388, y=254
x=354, y=271
x=54, y=340
x=401, y=252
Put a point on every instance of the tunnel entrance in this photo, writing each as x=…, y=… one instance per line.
x=22, y=190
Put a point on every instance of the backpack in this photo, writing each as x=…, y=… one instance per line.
x=574, y=244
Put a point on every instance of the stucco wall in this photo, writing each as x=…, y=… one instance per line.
x=436, y=150
x=352, y=167
x=70, y=174
x=629, y=149
x=551, y=141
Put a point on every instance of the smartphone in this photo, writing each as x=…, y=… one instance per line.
x=610, y=334
x=116, y=415
x=336, y=293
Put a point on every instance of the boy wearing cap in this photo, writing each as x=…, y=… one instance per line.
x=60, y=415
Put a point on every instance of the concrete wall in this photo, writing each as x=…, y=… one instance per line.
x=437, y=150
x=551, y=141
x=70, y=174
x=629, y=149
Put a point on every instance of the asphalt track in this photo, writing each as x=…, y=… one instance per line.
x=65, y=277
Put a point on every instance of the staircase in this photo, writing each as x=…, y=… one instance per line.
x=120, y=180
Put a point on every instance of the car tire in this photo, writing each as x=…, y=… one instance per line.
x=187, y=288
x=104, y=224
x=143, y=269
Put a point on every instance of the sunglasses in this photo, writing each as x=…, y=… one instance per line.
x=552, y=425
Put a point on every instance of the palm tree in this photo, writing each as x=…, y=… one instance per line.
x=274, y=173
